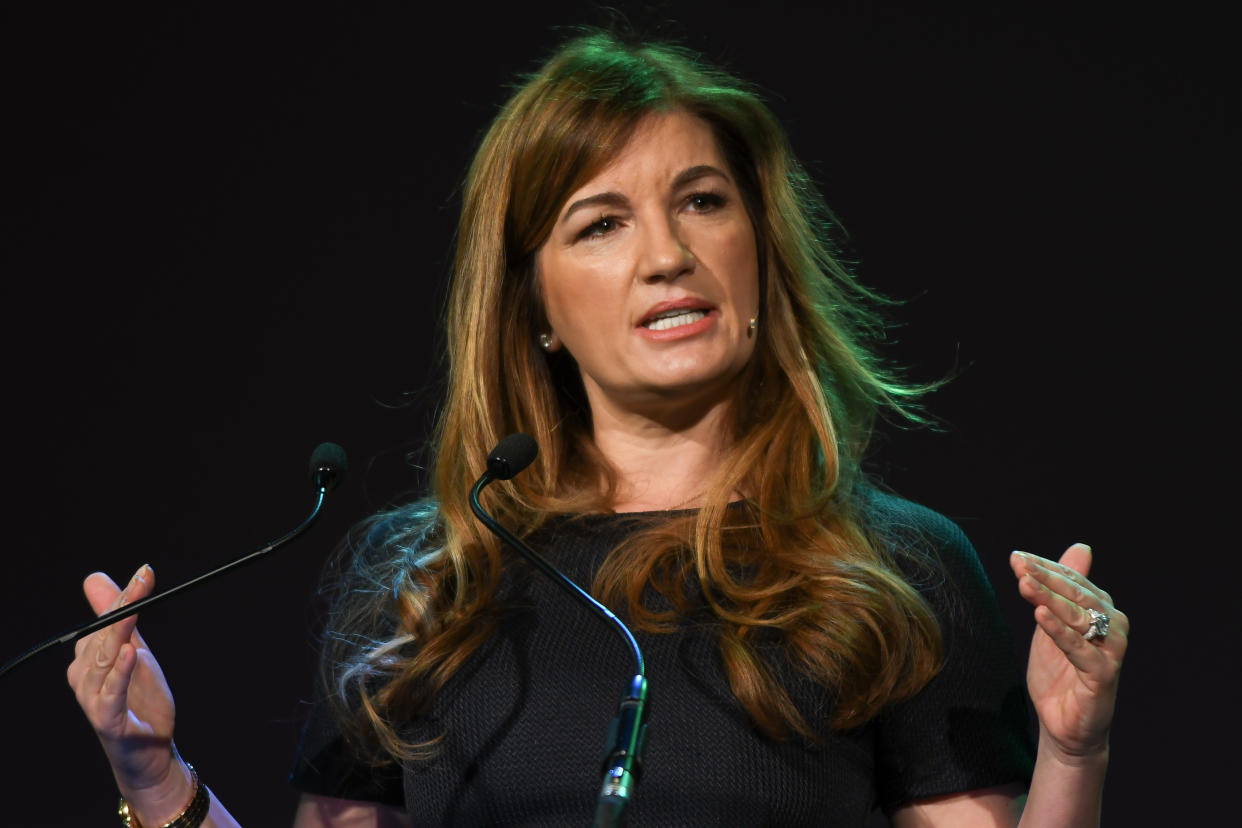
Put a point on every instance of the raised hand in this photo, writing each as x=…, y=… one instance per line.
x=1072, y=680
x=122, y=690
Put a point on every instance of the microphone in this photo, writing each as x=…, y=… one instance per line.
x=511, y=455
x=627, y=734
x=327, y=468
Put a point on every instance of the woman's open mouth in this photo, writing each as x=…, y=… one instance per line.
x=674, y=319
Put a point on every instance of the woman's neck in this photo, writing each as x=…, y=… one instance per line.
x=659, y=465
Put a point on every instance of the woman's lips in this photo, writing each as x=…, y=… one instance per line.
x=672, y=306
x=706, y=321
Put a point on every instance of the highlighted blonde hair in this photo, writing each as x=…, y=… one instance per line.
x=795, y=565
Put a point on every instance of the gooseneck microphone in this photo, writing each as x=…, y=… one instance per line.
x=628, y=731
x=327, y=468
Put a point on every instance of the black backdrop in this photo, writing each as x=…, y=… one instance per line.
x=227, y=238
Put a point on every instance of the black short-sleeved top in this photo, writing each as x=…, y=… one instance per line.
x=525, y=721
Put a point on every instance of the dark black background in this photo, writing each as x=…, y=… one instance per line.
x=226, y=238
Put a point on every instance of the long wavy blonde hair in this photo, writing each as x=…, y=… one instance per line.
x=795, y=565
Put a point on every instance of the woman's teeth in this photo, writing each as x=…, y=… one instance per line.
x=676, y=321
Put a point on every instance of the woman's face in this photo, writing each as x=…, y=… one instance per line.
x=650, y=275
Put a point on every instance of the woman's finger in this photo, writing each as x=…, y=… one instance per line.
x=1064, y=624
x=1074, y=565
x=1070, y=603
x=1086, y=658
x=1078, y=593
x=101, y=653
x=1067, y=600
x=101, y=656
x=1066, y=613
x=1076, y=561
x=114, y=692
x=1074, y=583
x=1081, y=597
x=102, y=593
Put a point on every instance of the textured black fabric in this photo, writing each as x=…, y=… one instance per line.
x=526, y=720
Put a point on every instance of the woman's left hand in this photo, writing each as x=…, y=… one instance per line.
x=1072, y=680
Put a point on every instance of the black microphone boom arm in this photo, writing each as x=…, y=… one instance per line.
x=326, y=468
x=627, y=734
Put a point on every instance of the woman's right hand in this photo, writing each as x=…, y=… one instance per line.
x=122, y=690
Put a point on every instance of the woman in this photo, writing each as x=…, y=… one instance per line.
x=643, y=283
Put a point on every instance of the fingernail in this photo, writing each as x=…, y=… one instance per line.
x=1020, y=554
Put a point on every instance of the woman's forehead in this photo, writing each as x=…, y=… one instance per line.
x=662, y=147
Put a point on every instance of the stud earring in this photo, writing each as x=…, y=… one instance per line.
x=751, y=327
x=545, y=341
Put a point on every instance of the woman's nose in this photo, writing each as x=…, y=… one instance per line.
x=666, y=254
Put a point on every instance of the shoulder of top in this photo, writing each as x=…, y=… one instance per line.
x=905, y=523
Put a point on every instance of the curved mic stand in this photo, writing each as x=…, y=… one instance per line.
x=327, y=466
x=628, y=731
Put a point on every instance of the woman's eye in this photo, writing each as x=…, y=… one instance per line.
x=703, y=202
x=600, y=228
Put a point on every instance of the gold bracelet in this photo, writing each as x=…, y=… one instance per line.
x=191, y=816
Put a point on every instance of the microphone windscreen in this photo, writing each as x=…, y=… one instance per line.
x=511, y=455
x=328, y=465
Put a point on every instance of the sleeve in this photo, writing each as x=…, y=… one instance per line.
x=969, y=727
x=326, y=766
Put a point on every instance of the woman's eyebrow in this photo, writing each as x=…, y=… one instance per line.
x=608, y=199
x=698, y=171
